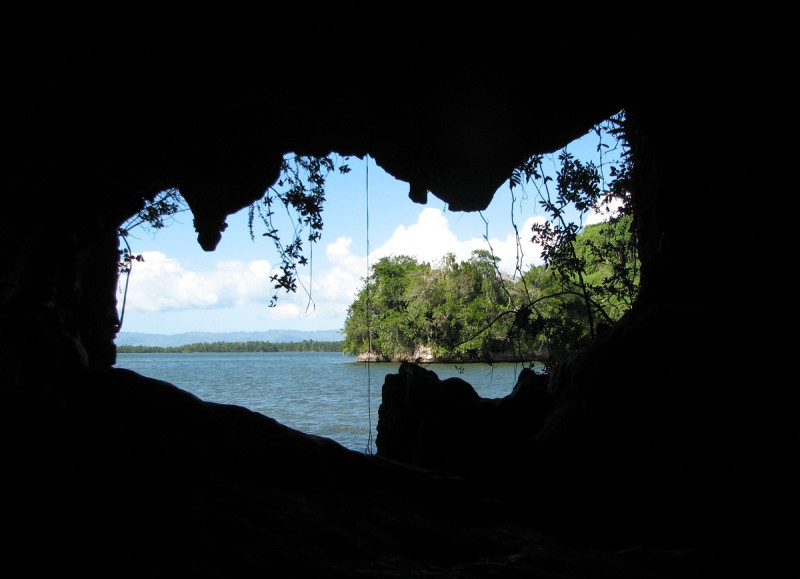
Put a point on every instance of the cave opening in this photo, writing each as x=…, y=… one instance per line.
x=154, y=244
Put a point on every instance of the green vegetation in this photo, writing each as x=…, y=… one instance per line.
x=231, y=347
x=471, y=311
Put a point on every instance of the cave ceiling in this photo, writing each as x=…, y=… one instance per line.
x=210, y=101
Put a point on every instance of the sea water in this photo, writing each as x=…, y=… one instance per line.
x=323, y=393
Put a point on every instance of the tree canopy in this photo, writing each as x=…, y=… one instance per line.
x=235, y=347
x=471, y=311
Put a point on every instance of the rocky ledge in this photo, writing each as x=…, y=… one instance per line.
x=425, y=355
x=118, y=475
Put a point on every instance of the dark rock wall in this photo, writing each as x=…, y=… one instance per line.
x=677, y=425
x=444, y=425
x=667, y=424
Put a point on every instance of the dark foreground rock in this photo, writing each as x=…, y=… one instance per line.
x=118, y=475
x=444, y=424
x=636, y=456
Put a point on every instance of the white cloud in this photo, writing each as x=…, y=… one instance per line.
x=430, y=239
x=518, y=247
x=607, y=208
x=339, y=253
x=285, y=309
x=161, y=283
x=332, y=288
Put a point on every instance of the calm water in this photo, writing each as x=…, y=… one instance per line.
x=327, y=394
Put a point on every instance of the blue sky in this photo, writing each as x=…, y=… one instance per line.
x=181, y=288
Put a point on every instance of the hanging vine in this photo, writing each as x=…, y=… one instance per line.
x=154, y=215
x=299, y=193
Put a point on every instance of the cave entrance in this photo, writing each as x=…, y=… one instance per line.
x=213, y=324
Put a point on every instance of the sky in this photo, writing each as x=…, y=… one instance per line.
x=367, y=215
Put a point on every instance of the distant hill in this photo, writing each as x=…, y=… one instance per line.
x=275, y=336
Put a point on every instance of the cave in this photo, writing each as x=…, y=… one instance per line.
x=639, y=470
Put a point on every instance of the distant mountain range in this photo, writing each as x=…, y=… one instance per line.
x=275, y=336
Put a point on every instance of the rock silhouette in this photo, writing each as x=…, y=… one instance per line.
x=670, y=447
